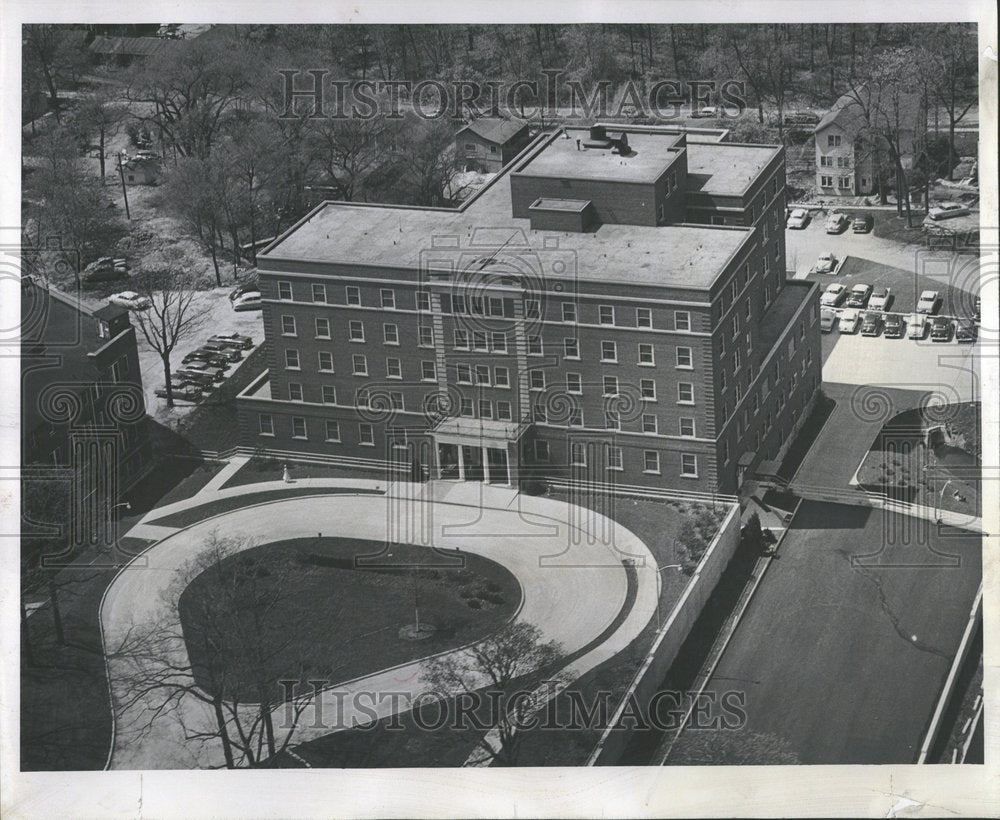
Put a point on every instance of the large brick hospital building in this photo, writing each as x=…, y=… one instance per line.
x=610, y=307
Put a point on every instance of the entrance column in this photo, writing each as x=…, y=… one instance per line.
x=461, y=463
x=487, y=476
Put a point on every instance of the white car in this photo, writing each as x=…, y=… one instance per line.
x=916, y=326
x=947, y=210
x=248, y=301
x=827, y=319
x=880, y=298
x=928, y=301
x=836, y=223
x=798, y=219
x=827, y=263
x=131, y=300
x=833, y=295
x=849, y=321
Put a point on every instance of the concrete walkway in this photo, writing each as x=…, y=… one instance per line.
x=567, y=560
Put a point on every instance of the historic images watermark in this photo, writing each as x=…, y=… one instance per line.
x=313, y=93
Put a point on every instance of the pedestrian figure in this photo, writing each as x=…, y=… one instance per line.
x=286, y=476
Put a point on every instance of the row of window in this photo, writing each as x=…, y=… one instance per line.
x=610, y=386
x=842, y=162
x=359, y=365
x=842, y=182
x=300, y=429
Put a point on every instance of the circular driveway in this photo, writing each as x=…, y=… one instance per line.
x=567, y=560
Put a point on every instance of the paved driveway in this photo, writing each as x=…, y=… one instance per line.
x=573, y=587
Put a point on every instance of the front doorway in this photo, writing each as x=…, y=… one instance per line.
x=448, y=461
x=497, y=459
x=472, y=459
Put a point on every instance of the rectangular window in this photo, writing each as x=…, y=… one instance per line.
x=298, y=427
x=483, y=374
x=541, y=450
x=496, y=306
x=396, y=400
x=291, y=359
x=388, y=299
x=499, y=340
x=651, y=462
x=614, y=457
x=643, y=317
x=685, y=360
x=353, y=294
x=325, y=361
x=647, y=389
x=504, y=411
x=606, y=315
x=329, y=394
x=612, y=421
x=485, y=409
x=332, y=430
x=357, y=331
x=610, y=385
x=539, y=414
x=393, y=369
x=366, y=435
x=534, y=345
x=464, y=372
x=428, y=372
x=467, y=409
x=646, y=355
x=734, y=289
x=569, y=311
x=734, y=325
x=826, y=182
x=689, y=465
x=687, y=427
x=833, y=140
x=682, y=320
x=266, y=424
x=648, y=423
x=531, y=309
x=576, y=417
x=360, y=364
x=423, y=301
x=501, y=377
x=390, y=334
x=685, y=393
x=479, y=341
x=319, y=293
x=536, y=378
x=426, y=336
x=609, y=352
x=461, y=338
x=288, y=326
x=571, y=348
x=574, y=384
x=322, y=328
x=578, y=454
x=285, y=290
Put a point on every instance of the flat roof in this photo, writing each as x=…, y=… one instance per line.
x=550, y=204
x=726, y=167
x=648, y=155
x=391, y=236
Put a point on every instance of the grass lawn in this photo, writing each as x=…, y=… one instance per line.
x=190, y=516
x=65, y=714
x=889, y=225
x=271, y=469
x=345, y=613
x=840, y=658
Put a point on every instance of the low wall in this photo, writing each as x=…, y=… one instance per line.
x=671, y=636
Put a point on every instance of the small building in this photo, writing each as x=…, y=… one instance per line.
x=141, y=170
x=848, y=154
x=124, y=51
x=488, y=143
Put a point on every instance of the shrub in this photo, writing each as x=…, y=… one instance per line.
x=474, y=603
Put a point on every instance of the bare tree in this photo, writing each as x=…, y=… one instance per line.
x=51, y=56
x=511, y=665
x=225, y=657
x=174, y=311
x=100, y=114
x=948, y=63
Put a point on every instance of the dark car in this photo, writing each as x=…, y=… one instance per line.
x=863, y=223
x=198, y=368
x=188, y=392
x=202, y=380
x=104, y=269
x=940, y=329
x=872, y=324
x=894, y=327
x=237, y=340
x=966, y=330
x=229, y=352
x=208, y=357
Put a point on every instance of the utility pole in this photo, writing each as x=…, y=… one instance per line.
x=121, y=174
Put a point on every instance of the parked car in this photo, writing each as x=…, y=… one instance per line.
x=916, y=326
x=798, y=219
x=977, y=308
x=105, y=269
x=880, y=299
x=894, y=326
x=859, y=296
x=131, y=300
x=940, y=329
x=197, y=368
x=229, y=352
x=827, y=263
x=863, y=223
x=248, y=301
x=928, y=302
x=947, y=210
x=188, y=392
x=704, y=111
x=244, y=287
x=827, y=319
x=208, y=357
x=232, y=340
x=801, y=118
x=849, y=320
x=966, y=330
x=836, y=223
x=834, y=294
x=871, y=325
x=203, y=380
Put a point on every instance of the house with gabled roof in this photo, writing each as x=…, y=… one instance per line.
x=488, y=143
